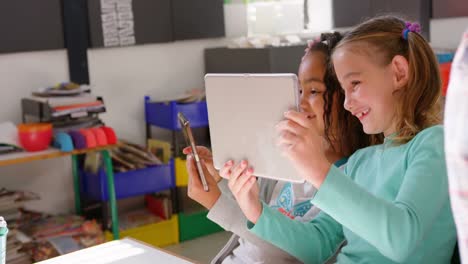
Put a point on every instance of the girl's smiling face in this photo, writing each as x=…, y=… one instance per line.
x=311, y=74
x=369, y=89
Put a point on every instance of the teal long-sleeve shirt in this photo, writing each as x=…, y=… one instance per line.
x=391, y=204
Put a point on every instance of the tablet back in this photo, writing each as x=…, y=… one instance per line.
x=243, y=110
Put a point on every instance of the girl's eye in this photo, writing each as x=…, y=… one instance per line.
x=354, y=84
x=310, y=92
x=314, y=92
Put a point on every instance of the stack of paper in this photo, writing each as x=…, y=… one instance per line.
x=8, y=138
x=68, y=106
x=11, y=203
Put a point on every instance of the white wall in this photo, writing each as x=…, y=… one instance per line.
x=121, y=75
x=20, y=74
x=124, y=75
x=447, y=32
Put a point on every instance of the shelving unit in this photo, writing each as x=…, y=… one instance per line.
x=164, y=115
x=107, y=176
x=130, y=184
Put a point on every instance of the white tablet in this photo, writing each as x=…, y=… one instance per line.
x=243, y=110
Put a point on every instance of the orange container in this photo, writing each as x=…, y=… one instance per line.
x=35, y=136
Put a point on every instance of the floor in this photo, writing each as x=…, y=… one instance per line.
x=201, y=249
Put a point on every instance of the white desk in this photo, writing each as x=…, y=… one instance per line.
x=124, y=251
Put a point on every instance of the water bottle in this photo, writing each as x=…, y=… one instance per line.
x=3, y=240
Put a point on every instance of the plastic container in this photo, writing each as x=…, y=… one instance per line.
x=196, y=225
x=131, y=183
x=157, y=207
x=3, y=240
x=110, y=135
x=35, y=136
x=100, y=135
x=181, y=174
x=165, y=114
x=443, y=57
x=90, y=138
x=445, y=76
x=159, y=234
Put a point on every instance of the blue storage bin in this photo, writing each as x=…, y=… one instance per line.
x=131, y=183
x=443, y=57
x=165, y=114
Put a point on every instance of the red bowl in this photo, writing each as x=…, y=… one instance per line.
x=35, y=136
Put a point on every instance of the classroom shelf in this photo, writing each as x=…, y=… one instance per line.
x=159, y=234
x=50, y=153
x=131, y=183
x=24, y=157
x=165, y=114
x=192, y=221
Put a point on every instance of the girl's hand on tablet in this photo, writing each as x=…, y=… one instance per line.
x=301, y=143
x=244, y=187
x=195, y=187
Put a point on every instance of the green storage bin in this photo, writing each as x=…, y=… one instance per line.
x=196, y=225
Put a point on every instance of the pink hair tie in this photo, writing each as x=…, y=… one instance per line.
x=410, y=27
x=311, y=43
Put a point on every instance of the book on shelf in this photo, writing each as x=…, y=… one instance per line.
x=9, y=139
x=159, y=204
x=78, y=108
x=66, y=88
x=137, y=218
x=56, y=101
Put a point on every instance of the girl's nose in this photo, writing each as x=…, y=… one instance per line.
x=304, y=104
x=348, y=103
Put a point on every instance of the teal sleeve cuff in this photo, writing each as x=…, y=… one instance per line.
x=262, y=220
x=333, y=189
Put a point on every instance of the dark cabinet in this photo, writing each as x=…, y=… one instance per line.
x=449, y=8
x=347, y=13
x=31, y=25
x=41, y=25
x=416, y=10
x=194, y=19
x=225, y=60
x=350, y=13
x=253, y=60
x=121, y=23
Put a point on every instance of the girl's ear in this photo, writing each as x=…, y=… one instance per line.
x=400, y=69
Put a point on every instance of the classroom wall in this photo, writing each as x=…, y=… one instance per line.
x=447, y=32
x=122, y=76
x=20, y=74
